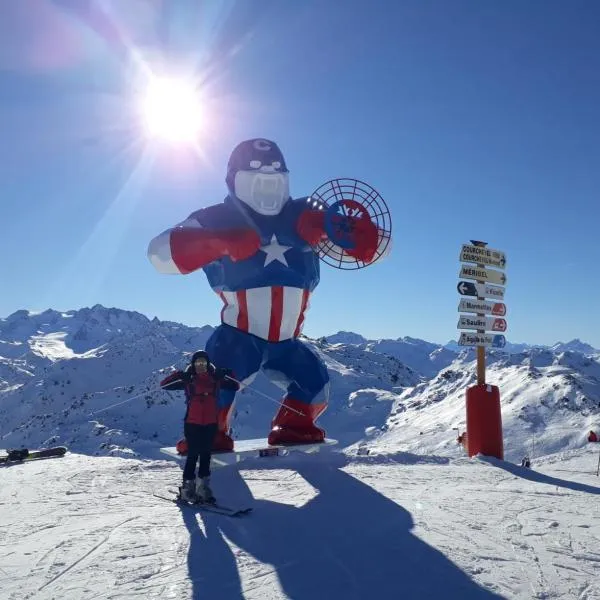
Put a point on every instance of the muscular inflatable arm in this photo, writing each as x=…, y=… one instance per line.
x=189, y=246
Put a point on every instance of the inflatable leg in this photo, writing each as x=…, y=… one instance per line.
x=231, y=349
x=295, y=364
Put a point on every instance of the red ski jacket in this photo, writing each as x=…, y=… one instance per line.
x=201, y=392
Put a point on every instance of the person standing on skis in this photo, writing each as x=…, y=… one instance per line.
x=201, y=382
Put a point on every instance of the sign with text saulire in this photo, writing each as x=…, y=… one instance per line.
x=481, y=323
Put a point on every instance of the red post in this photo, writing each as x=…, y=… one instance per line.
x=484, y=421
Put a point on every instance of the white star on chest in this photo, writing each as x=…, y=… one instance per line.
x=275, y=251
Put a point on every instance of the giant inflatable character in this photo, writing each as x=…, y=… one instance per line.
x=257, y=249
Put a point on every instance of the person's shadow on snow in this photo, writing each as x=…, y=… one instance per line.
x=348, y=542
x=212, y=568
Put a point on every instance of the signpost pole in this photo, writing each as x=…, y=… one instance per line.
x=480, y=349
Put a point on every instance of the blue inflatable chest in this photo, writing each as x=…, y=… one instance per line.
x=284, y=258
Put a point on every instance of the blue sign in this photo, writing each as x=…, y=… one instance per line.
x=499, y=341
x=466, y=288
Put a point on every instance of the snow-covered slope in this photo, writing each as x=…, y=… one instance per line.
x=395, y=511
x=408, y=526
x=549, y=403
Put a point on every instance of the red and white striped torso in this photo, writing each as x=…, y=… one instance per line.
x=274, y=313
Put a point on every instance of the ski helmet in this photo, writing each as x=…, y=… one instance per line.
x=200, y=354
x=258, y=176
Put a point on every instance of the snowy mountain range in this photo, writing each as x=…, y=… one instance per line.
x=89, y=378
x=396, y=511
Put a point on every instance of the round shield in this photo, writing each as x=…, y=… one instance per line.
x=346, y=202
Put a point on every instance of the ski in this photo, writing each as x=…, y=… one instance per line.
x=24, y=454
x=214, y=508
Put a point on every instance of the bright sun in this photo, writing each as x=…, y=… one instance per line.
x=172, y=110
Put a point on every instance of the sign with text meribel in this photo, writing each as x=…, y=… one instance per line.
x=482, y=255
x=481, y=274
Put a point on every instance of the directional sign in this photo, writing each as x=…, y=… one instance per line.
x=488, y=275
x=482, y=339
x=483, y=255
x=482, y=307
x=467, y=288
x=482, y=323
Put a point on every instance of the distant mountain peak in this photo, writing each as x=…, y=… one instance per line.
x=575, y=345
x=346, y=337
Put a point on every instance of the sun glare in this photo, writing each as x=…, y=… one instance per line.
x=172, y=110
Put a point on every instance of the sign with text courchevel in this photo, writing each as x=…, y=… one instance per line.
x=481, y=323
x=481, y=274
x=482, y=307
x=483, y=255
x=483, y=290
x=482, y=339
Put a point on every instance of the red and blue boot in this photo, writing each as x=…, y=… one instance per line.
x=294, y=423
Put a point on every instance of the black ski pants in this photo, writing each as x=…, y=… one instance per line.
x=200, y=440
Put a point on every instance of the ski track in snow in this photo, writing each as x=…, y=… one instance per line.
x=324, y=526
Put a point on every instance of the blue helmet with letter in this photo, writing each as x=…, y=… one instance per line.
x=258, y=176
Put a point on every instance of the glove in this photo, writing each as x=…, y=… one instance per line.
x=311, y=226
x=239, y=244
x=222, y=373
x=227, y=379
x=366, y=238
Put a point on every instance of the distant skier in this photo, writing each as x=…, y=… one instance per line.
x=592, y=436
x=201, y=382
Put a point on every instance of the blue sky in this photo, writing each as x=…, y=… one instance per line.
x=472, y=119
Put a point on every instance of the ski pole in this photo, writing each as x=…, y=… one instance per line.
x=598, y=469
x=243, y=385
x=123, y=401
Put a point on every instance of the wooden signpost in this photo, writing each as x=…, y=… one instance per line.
x=484, y=418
